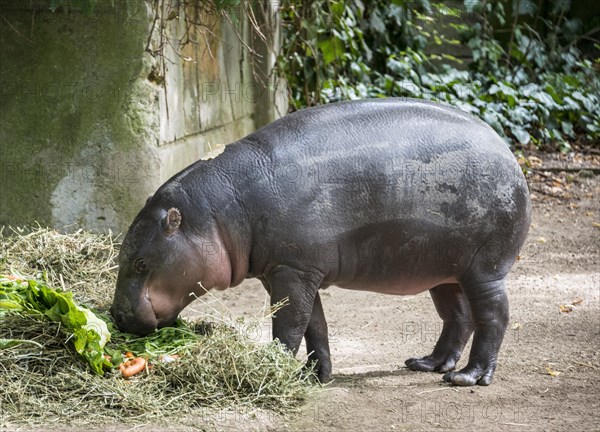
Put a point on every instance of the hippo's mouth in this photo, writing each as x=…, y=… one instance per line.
x=149, y=299
x=143, y=321
x=162, y=320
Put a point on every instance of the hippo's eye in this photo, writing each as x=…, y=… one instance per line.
x=140, y=265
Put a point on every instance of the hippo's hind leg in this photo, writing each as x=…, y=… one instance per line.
x=489, y=309
x=453, y=308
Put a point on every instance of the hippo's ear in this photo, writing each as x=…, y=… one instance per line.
x=148, y=199
x=172, y=221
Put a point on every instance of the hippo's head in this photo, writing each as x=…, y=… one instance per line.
x=165, y=260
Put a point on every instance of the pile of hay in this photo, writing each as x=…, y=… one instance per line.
x=45, y=382
x=81, y=262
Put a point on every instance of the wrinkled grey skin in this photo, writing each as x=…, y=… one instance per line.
x=392, y=196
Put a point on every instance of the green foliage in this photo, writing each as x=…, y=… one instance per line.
x=534, y=87
x=177, y=339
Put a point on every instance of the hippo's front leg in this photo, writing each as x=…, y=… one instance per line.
x=302, y=315
x=317, y=341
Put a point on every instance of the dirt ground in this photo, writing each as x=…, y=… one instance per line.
x=548, y=377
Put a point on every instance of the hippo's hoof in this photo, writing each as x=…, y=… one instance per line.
x=322, y=374
x=432, y=363
x=324, y=378
x=470, y=376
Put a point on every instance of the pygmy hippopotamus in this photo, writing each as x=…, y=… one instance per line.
x=394, y=196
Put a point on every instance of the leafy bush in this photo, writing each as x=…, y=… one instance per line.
x=534, y=87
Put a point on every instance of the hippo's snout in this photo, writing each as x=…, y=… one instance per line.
x=135, y=325
x=130, y=323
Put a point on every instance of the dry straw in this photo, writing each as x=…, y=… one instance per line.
x=83, y=262
x=44, y=382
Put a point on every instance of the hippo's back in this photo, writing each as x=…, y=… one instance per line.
x=408, y=128
x=383, y=159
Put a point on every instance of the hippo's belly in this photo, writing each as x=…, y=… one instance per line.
x=399, y=286
x=403, y=256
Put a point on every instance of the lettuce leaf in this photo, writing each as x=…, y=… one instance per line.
x=89, y=334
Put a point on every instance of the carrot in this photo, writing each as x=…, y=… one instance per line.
x=132, y=367
x=129, y=355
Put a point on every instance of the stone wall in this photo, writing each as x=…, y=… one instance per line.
x=90, y=123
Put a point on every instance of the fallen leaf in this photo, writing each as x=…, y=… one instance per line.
x=516, y=326
x=589, y=213
x=566, y=308
x=541, y=240
x=596, y=224
x=577, y=301
x=552, y=372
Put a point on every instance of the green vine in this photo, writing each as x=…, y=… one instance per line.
x=521, y=71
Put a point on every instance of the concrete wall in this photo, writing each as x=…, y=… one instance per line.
x=88, y=131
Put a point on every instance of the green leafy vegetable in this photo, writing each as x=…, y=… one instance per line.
x=88, y=331
x=89, y=334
